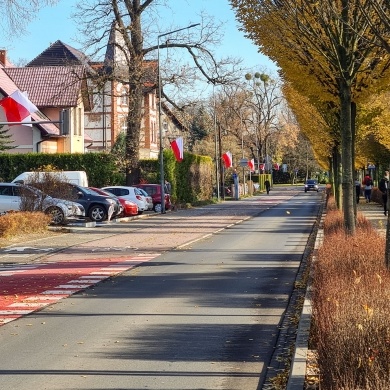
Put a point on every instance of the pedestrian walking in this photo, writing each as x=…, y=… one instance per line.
x=267, y=186
x=358, y=189
x=383, y=186
x=368, y=183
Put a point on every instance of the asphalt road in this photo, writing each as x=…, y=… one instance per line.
x=205, y=315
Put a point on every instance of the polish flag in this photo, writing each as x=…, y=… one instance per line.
x=17, y=107
x=251, y=164
x=177, y=147
x=227, y=159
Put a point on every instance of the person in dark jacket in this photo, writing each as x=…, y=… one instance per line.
x=358, y=188
x=267, y=186
x=383, y=186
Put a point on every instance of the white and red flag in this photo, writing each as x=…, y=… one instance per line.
x=177, y=147
x=17, y=107
x=227, y=159
x=251, y=164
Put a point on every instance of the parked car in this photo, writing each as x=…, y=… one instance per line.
x=311, y=185
x=130, y=193
x=129, y=208
x=97, y=206
x=149, y=200
x=14, y=196
x=154, y=190
x=118, y=208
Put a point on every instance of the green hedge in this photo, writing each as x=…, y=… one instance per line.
x=191, y=180
x=100, y=167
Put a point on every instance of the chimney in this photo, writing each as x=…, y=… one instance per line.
x=3, y=56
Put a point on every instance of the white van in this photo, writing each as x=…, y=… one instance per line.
x=75, y=177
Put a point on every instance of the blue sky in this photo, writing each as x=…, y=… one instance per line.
x=55, y=23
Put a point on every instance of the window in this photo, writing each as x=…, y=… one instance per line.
x=6, y=191
x=124, y=99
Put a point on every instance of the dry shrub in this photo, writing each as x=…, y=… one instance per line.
x=334, y=221
x=53, y=183
x=351, y=308
x=23, y=222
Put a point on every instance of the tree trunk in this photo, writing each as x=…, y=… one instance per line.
x=347, y=157
x=337, y=172
x=136, y=86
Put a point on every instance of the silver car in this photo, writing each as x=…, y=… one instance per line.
x=15, y=196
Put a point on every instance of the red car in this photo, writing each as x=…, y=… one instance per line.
x=154, y=190
x=129, y=208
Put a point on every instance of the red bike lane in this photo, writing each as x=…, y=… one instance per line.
x=30, y=287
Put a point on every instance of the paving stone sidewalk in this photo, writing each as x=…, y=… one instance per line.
x=374, y=213
x=124, y=238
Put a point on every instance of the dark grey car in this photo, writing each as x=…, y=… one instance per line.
x=311, y=185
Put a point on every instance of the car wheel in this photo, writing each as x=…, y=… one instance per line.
x=97, y=213
x=57, y=215
x=157, y=207
x=140, y=212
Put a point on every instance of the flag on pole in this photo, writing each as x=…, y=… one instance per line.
x=177, y=147
x=17, y=107
x=227, y=159
x=251, y=164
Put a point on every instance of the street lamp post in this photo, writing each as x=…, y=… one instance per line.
x=160, y=114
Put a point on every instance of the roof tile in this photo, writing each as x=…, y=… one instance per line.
x=49, y=86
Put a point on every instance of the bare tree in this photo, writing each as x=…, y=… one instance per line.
x=138, y=27
x=17, y=13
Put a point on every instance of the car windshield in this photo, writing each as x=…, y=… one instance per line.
x=311, y=182
x=143, y=192
x=99, y=191
x=88, y=191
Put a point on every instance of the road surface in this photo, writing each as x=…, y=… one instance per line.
x=206, y=315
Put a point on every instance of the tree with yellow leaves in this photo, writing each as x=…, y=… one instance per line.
x=329, y=52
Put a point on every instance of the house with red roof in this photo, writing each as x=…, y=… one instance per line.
x=65, y=84
x=59, y=94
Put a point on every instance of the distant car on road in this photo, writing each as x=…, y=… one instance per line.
x=311, y=185
x=14, y=196
x=130, y=193
x=154, y=190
